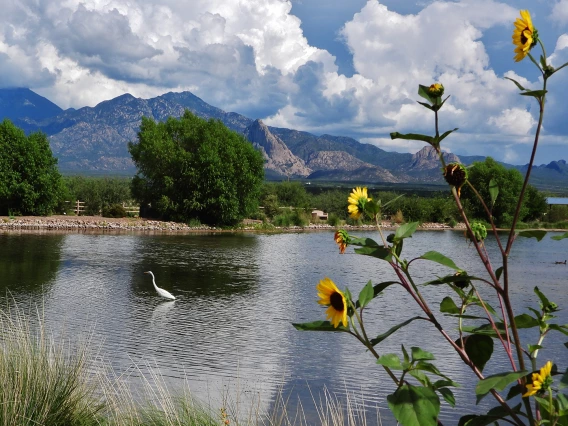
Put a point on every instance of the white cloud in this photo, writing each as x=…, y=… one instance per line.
x=513, y=121
x=560, y=12
x=251, y=56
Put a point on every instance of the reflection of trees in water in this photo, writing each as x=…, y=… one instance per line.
x=28, y=262
x=216, y=265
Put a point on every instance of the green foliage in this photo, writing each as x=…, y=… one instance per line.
x=30, y=183
x=489, y=175
x=97, y=193
x=193, y=168
x=295, y=217
x=114, y=210
x=334, y=202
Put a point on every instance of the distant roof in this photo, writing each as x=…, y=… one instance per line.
x=557, y=200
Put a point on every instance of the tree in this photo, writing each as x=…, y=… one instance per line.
x=190, y=168
x=509, y=182
x=30, y=183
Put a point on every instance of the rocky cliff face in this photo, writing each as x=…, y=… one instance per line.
x=334, y=163
x=277, y=156
x=427, y=159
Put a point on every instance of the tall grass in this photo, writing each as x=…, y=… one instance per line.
x=52, y=382
x=43, y=382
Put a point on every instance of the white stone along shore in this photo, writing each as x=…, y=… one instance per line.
x=94, y=223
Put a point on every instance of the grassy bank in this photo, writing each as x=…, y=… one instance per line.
x=57, y=382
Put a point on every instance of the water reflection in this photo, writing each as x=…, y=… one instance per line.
x=28, y=262
x=237, y=295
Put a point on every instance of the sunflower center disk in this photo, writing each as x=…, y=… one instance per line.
x=524, y=38
x=336, y=301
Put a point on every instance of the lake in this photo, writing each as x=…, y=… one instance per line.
x=229, y=332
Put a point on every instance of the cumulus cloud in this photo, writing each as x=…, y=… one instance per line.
x=251, y=56
x=560, y=12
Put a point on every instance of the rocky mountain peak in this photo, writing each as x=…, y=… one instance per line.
x=277, y=155
x=427, y=158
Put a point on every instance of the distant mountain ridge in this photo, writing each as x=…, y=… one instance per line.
x=95, y=139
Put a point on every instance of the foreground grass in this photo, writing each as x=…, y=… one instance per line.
x=44, y=381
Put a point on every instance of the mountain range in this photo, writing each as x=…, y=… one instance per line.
x=95, y=139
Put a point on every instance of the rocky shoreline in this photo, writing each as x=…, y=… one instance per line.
x=96, y=223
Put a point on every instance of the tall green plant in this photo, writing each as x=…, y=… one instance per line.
x=30, y=183
x=193, y=168
x=420, y=384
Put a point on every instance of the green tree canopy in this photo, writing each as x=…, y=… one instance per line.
x=190, y=168
x=30, y=183
x=509, y=182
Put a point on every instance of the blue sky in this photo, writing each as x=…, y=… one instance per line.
x=343, y=67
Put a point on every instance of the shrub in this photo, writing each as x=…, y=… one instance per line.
x=114, y=210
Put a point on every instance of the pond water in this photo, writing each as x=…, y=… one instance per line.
x=229, y=332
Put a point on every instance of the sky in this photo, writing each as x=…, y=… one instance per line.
x=341, y=67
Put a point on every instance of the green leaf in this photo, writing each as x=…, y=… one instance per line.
x=366, y=295
x=492, y=416
x=564, y=380
x=448, y=395
x=405, y=354
x=560, y=237
x=405, y=231
x=546, y=305
x=533, y=348
x=517, y=83
x=423, y=91
x=391, y=361
x=424, y=104
x=378, y=289
x=493, y=190
x=561, y=328
x=498, y=272
x=535, y=93
x=514, y=391
x=420, y=354
x=448, y=306
x=428, y=366
x=383, y=336
x=421, y=377
x=364, y=242
x=412, y=137
x=562, y=403
x=498, y=382
x=534, y=233
x=434, y=256
x=378, y=252
x=318, y=326
x=415, y=406
x=479, y=349
x=526, y=321
x=452, y=279
x=486, y=329
x=446, y=134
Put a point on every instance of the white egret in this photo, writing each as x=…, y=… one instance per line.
x=161, y=291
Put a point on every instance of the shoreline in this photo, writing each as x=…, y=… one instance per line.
x=65, y=223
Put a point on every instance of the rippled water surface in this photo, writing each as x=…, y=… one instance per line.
x=229, y=331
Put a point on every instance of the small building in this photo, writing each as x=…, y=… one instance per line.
x=557, y=201
x=319, y=214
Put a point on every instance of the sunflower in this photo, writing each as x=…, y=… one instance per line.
x=436, y=90
x=540, y=381
x=525, y=36
x=341, y=237
x=357, y=200
x=331, y=296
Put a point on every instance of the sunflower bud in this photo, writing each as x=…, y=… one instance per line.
x=456, y=175
x=462, y=279
x=342, y=239
x=436, y=90
x=478, y=232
